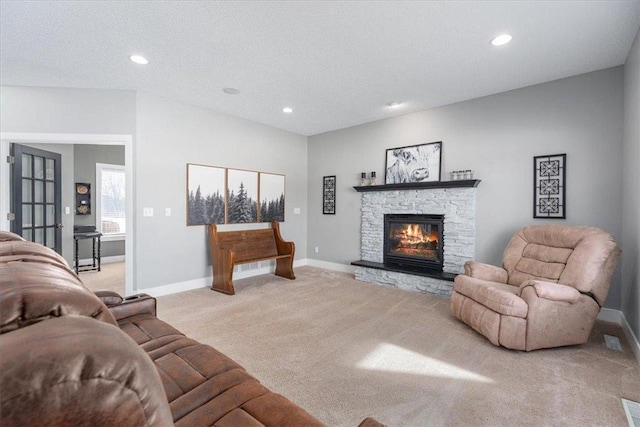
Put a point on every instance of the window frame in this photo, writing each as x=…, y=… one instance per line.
x=98, y=201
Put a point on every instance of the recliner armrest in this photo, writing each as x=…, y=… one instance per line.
x=488, y=272
x=134, y=305
x=551, y=291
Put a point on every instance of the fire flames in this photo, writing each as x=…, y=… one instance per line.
x=413, y=235
x=412, y=240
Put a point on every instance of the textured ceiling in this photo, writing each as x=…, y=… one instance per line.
x=337, y=64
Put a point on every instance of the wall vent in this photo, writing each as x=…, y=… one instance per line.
x=613, y=343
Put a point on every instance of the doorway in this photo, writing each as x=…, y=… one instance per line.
x=6, y=139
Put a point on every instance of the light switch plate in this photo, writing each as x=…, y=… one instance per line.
x=147, y=211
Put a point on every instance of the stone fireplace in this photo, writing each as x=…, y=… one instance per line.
x=454, y=201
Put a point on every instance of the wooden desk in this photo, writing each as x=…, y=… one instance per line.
x=95, y=240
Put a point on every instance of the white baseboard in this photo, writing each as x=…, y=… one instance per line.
x=616, y=316
x=610, y=315
x=104, y=260
x=331, y=266
x=174, y=288
x=205, y=282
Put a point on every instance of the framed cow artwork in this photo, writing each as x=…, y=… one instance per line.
x=414, y=163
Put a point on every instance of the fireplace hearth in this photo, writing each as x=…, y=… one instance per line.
x=414, y=240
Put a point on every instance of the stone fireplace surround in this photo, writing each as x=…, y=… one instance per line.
x=456, y=200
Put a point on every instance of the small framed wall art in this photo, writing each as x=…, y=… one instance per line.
x=549, y=189
x=415, y=163
x=329, y=195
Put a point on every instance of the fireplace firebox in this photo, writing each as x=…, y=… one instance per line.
x=414, y=240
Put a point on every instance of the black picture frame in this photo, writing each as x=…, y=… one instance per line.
x=414, y=163
x=329, y=195
x=549, y=186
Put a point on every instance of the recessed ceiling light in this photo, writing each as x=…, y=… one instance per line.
x=502, y=39
x=139, y=59
x=394, y=104
x=231, y=91
x=287, y=110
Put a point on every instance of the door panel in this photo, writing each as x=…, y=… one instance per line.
x=36, y=197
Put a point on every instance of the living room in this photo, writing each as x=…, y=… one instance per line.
x=590, y=115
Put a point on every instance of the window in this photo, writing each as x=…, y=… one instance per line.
x=110, y=200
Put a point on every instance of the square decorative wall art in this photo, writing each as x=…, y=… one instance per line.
x=416, y=163
x=329, y=195
x=549, y=189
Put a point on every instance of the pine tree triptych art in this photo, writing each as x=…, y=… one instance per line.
x=218, y=195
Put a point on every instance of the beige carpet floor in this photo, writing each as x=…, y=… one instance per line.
x=344, y=350
x=110, y=277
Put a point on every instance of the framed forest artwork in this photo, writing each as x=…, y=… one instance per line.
x=272, y=197
x=242, y=196
x=206, y=187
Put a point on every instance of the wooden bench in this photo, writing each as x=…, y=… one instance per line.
x=229, y=248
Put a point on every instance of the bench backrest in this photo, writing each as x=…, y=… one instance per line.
x=249, y=244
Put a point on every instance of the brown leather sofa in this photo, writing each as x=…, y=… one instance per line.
x=71, y=357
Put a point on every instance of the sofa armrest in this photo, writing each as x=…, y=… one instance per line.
x=483, y=271
x=109, y=298
x=134, y=305
x=551, y=291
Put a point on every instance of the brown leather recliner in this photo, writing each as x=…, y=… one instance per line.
x=553, y=281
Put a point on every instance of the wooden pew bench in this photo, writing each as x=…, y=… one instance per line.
x=229, y=248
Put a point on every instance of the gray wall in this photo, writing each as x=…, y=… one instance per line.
x=85, y=159
x=67, y=111
x=170, y=135
x=166, y=136
x=631, y=186
x=497, y=137
x=54, y=110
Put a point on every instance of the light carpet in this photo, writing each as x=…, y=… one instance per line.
x=344, y=350
x=111, y=277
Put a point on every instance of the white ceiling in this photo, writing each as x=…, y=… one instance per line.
x=337, y=64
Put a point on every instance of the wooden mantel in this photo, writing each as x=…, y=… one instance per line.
x=419, y=185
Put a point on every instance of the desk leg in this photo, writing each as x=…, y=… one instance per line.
x=93, y=251
x=99, y=255
x=75, y=267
